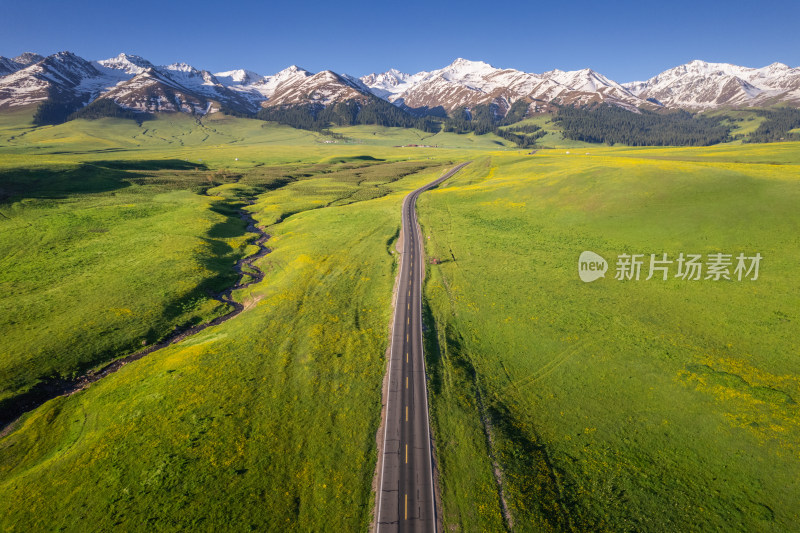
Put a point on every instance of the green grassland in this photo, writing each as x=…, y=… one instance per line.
x=98, y=261
x=615, y=406
x=213, y=433
x=618, y=406
x=217, y=140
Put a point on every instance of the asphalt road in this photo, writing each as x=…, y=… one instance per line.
x=406, y=499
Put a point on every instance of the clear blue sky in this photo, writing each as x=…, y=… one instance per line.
x=624, y=40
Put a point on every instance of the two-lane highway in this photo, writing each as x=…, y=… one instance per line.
x=406, y=497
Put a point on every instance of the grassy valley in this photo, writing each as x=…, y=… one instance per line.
x=99, y=261
x=158, y=441
x=555, y=405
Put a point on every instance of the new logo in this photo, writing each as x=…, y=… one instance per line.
x=591, y=266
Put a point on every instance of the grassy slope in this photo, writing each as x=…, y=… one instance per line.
x=132, y=253
x=379, y=135
x=553, y=137
x=216, y=141
x=159, y=443
x=617, y=406
x=90, y=274
x=748, y=120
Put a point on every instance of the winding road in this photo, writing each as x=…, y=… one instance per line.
x=406, y=497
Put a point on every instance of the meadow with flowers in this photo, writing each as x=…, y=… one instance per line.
x=621, y=404
x=556, y=405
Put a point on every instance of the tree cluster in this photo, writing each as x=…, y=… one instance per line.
x=516, y=112
x=776, y=126
x=611, y=125
x=525, y=128
x=480, y=119
x=317, y=117
x=525, y=139
x=53, y=111
x=104, y=108
x=483, y=119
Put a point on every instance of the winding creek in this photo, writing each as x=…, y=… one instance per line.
x=45, y=391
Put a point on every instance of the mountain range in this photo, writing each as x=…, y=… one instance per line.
x=134, y=83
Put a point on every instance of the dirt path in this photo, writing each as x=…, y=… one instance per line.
x=47, y=390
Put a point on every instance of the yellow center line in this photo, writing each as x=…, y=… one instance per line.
x=405, y=512
x=406, y=357
x=406, y=453
x=406, y=413
x=406, y=381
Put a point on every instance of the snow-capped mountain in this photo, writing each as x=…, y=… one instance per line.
x=9, y=66
x=389, y=83
x=129, y=64
x=256, y=88
x=204, y=83
x=467, y=83
x=59, y=77
x=129, y=80
x=239, y=77
x=322, y=89
x=700, y=85
x=152, y=91
x=134, y=82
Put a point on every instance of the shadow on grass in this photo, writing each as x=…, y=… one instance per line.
x=354, y=158
x=233, y=226
x=432, y=351
x=86, y=178
x=17, y=184
x=153, y=164
x=529, y=477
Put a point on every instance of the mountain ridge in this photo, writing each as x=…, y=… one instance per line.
x=135, y=83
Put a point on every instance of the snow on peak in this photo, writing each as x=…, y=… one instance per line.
x=585, y=79
x=257, y=90
x=27, y=58
x=777, y=66
x=385, y=81
x=129, y=63
x=294, y=69
x=182, y=67
x=66, y=58
x=390, y=77
x=462, y=63
x=9, y=66
x=240, y=77
x=705, y=68
x=701, y=85
x=464, y=68
x=327, y=74
x=131, y=58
